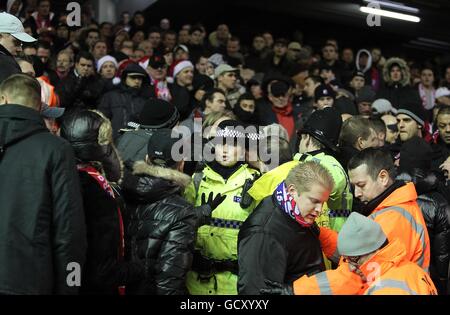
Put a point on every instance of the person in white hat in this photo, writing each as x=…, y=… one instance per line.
x=12, y=34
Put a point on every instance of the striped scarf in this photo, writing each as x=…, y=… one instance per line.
x=287, y=203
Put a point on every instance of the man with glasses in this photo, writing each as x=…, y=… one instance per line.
x=12, y=34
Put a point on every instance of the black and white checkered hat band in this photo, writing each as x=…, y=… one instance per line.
x=233, y=133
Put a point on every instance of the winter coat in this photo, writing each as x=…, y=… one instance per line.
x=42, y=227
x=400, y=217
x=8, y=65
x=105, y=270
x=181, y=99
x=77, y=93
x=274, y=246
x=436, y=212
x=122, y=106
x=398, y=93
x=162, y=229
x=218, y=241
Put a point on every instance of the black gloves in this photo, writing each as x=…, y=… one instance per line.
x=213, y=202
x=204, y=211
x=277, y=288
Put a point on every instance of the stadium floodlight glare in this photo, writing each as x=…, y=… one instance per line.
x=394, y=5
x=390, y=14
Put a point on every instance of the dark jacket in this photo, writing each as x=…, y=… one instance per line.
x=181, y=99
x=77, y=93
x=162, y=229
x=8, y=65
x=398, y=93
x=42, y=227
x=104, y=271
x=436, y=212
x=273, y=246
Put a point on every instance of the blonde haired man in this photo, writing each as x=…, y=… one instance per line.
x=279, y=240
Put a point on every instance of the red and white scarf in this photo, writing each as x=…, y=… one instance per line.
x=428, y=97
x=101, y=180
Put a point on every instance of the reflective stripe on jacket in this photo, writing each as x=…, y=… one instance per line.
x=218, y=241
x=339, y=204
x=400, y=218
x=388, y=272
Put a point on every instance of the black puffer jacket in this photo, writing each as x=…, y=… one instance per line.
x=436, y=212
x=104, y=271
x=162, y=229
x=273, y=246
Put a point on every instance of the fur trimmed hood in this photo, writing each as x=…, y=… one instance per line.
x=406, y=75
x=180, y=179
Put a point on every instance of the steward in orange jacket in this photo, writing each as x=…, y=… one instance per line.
x=372, y=266
x=400, y=218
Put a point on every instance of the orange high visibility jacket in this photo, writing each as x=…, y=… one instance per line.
x=48, y=94
x=388, y=272
x=400, y=218
x=340, y=281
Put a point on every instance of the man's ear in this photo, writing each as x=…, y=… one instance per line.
x=383, y=178
x=3, y=99
x=180, y=166
x=147, y=159
x=359, y=143
x=291, y=189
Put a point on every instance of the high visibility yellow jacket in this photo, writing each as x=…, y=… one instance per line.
x=218, y=241
x=338, y=206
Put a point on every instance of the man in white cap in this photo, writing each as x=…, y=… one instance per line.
x=381, y=265
x=12, y=34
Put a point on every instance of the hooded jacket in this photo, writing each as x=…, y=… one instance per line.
x=42, y=227
x=162, y=228
x=398, y=93
x=8, y=64
x=436, y=212
x=123, y=104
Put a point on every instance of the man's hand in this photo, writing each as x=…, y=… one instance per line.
x=276, y=288
x=213, y=202
x=445, y=167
